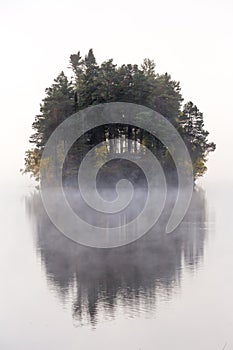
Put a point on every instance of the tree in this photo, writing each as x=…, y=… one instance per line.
x=191, y=127
x=94, y=84
x=56, y=106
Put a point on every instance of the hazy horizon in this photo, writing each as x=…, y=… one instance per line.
x=189, y=40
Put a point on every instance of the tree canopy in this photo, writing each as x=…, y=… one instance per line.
x=93, y=84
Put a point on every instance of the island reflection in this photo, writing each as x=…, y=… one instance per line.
x=133, y=276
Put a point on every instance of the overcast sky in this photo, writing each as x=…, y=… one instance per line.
x=191, y=40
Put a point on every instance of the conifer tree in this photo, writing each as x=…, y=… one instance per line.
x=93, y=84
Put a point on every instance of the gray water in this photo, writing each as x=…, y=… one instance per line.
x=161, y=292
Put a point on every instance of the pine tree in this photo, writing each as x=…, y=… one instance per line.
x=191, y=127
x=93, y=84
x=56, y=107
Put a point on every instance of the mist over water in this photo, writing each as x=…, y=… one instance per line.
x=131, y=278
x=165, y=291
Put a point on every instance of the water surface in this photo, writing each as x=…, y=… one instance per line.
x=163, y=291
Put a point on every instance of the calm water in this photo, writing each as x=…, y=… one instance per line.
x=162, y=292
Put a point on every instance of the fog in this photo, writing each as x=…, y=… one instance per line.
x=178, y=284
x=98, y=279
x=195, y=49
x=161, y=291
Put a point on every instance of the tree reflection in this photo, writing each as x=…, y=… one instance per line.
x=133, y=276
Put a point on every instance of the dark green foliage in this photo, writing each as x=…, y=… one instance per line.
x=191, y=127
x=94, y=84
x=56, y=107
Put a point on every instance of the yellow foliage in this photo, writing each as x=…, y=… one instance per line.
x=100, y=155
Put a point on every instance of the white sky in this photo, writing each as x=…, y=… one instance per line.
x=191, y=40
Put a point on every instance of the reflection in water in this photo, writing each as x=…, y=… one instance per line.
x=132, y=277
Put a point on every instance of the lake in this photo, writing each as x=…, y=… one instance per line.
x=161, y=292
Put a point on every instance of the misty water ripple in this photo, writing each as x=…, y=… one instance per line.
x=132, y=278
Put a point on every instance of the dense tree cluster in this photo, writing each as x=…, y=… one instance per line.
x=95, y=84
